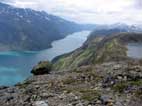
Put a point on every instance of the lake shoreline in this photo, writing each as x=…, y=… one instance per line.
x=16, y=65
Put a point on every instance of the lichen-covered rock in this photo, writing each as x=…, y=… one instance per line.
x=43, y=67
x=107, y=84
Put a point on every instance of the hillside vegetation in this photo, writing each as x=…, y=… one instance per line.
x=98, y=50
x=98, y=74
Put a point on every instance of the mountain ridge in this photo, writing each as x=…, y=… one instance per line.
x=108, y=78
x=26, y=29
x=95, y=42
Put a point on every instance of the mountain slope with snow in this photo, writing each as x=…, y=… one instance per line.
x=26, y=29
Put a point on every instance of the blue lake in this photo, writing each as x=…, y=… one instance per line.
x=15, y=66
x=135, y=50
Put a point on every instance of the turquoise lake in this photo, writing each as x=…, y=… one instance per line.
x=15, y=66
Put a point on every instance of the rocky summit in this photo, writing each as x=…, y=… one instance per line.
x=98, y=74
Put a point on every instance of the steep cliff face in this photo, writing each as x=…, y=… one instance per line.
x=85, y=77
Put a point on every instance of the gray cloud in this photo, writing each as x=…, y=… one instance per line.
x=138, y=4
x=88, y=11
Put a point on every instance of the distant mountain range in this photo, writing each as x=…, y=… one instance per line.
x=105, y=30
x=26, y=29
x=121, y=27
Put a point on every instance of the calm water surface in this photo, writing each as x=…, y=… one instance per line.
x=135, y=50
x=15, y=66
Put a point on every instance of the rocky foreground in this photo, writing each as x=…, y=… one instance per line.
x=84, y=78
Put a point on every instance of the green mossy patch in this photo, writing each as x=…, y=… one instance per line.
x=121, y=86
x=90, y=94
x=138, y=94
x=69, y=80
x=43, y=67
x=24, y=84
x=110, y=50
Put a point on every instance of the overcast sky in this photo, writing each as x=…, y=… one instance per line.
x=88, y=11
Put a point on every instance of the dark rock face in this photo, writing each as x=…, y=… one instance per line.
x=42, y=68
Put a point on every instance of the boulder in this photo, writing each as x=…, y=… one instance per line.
x=40, y=103
x=43, y=67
